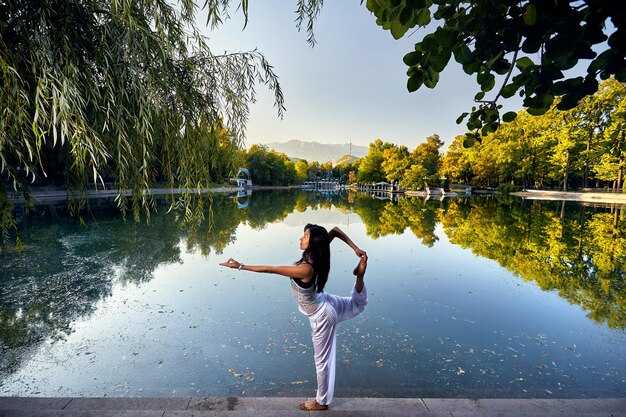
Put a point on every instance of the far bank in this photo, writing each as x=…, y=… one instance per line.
x=590, y=197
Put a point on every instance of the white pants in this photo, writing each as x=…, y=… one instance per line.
x=323, y=326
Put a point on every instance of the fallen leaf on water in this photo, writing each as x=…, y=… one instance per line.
x=299, y=382
x=247, y=377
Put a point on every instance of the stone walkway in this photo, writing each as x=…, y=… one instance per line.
x=275, y=407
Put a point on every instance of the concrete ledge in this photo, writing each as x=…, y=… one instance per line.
x=34, y=403
x=131, y=403
x=281, y=406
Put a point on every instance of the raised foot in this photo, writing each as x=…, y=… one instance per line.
x=313, y=405
x=361, y=267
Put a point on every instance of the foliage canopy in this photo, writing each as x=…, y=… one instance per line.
x=538, y=41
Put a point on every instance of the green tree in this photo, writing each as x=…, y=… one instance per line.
x=615, y=135
x=268, y=167
x=517, y=31
x=455, y=164
x=370, y=168
x=101, y=90
x=426, y=164
x=396, y=160
x=301, y=168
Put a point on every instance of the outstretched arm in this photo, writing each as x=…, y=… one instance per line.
x=302, y=271
x=337, y=232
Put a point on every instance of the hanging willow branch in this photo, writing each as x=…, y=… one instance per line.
x=119, y=92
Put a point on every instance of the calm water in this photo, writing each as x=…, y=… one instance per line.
x=472, y=297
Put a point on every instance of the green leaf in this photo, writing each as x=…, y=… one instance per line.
x=440, y=61
x=479, y=96
x=532, y=44
x=431, y=78
x=412, y=58
x=398, y=30
x=430, y=44
x=509, y=90
x=501, y=66
x=486, y=80
x=539, y=103
x=463, y=55
x=469, y=141
x=414, y=82
x=601, y=62
x=568, y=102
x=489, y=128
x=406, y=16
x=509, y=116
x=523, y=63
x=530, y=15
x=472, y=67
x=537, y=111
x=423, y=17
x=461, y=117
x=444, y=37
x=471, y=138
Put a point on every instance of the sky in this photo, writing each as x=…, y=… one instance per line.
x=350, y=87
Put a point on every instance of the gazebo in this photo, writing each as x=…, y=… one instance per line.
x=243, y=178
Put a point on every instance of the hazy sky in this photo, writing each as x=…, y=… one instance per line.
x=351, y=87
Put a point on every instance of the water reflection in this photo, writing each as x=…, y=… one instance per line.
x=442, y=321
x=578, y=250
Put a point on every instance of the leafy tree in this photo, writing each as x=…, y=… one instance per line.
x=99, y=90
x=559, y=148
x=268, y=167
x=396, y=160
x=519, y=42
x=370, y=169
x=301, y=167
x=314, y=171
x=615, y=135
x=455, y=165
x=594, y=116
x=426, y=164
x=606, y=168
x=569, y=139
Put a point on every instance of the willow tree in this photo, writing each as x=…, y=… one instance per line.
x=122, y=90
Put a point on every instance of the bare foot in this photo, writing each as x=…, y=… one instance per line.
x=313, y=405
x=361, y=267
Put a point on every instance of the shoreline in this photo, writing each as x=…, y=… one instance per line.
x=587, y=197
x=54, y=194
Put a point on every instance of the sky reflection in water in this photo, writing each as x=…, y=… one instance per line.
x=134, y=310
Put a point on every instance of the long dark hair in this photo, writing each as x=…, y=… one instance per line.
x=318, y=253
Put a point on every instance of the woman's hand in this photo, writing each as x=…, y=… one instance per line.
x=231, y=263
x=361, y=253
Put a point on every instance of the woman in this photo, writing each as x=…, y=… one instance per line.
x=308, y=277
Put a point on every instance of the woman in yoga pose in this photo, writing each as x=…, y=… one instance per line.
x=308, y=277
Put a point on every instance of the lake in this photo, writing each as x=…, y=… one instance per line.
x=472, y=297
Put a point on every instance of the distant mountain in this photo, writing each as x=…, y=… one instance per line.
x=346, y=159
x=315, y=151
